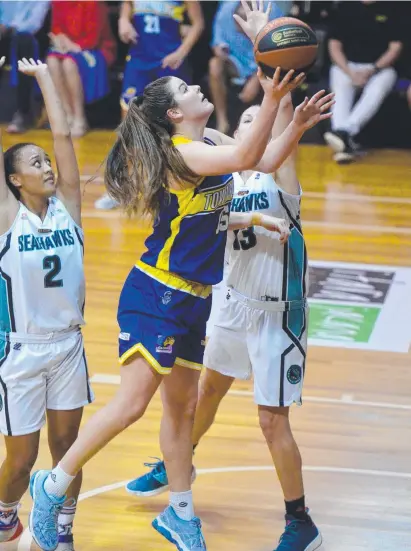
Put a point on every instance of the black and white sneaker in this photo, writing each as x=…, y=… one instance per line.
x=341, y=143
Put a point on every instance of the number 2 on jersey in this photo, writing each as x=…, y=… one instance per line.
x=152, y=24
x=53, y=264
x=248, y=241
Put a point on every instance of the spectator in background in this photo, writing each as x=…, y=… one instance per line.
x=19, y=23
x=233, y=59
x=156, y=48
x=364, y=46
x=83, y=48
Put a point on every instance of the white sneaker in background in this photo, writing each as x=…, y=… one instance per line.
x=106, y=203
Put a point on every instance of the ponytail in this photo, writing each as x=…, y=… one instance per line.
x=143, y=157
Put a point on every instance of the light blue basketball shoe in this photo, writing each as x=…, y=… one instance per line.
x=43, y=519
x=186, y=535
x=154, y=482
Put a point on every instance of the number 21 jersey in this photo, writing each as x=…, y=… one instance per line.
x=42, y=286
x=158, y=28
x=259, y=266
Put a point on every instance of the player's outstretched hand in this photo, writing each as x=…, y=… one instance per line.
x=277, y=87
x=278, y=225
x=310, y=112
x=2, y=61
x=256, y=18
x=31, y=67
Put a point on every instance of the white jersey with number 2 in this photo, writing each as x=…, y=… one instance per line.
x=42, y=285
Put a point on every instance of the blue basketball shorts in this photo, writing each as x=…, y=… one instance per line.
x=164, y=324
x=136, y=79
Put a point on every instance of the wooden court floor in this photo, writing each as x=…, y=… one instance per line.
x=354, y=429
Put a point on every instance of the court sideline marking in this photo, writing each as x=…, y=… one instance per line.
x=26, y=540
x=346, y=399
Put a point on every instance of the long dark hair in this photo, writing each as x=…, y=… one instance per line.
x=143, y=157
x=11, y=161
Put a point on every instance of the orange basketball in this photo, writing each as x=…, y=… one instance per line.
x=287, y=43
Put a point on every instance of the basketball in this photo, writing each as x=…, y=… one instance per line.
x=287, y=43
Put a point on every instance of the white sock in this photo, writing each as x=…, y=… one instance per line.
x=65, y=524
x=182, y=503
x=58, y=482
x=7, y=516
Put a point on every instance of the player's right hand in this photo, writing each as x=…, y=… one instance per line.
x=127, y=32
x=31, y=67
x=276, y=88
x=278, y=225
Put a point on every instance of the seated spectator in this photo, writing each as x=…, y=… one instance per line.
x=157, y=48
x=19, y=23
x=364, y=45
x=83, y=48
x=233, y=58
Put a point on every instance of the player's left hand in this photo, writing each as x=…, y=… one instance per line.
x=173, y=60
x=256, y=18
x=278, y=225
x=312, y=111
x=31, y=67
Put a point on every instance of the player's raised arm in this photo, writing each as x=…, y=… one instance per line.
x=68, y=183
x=286, y=175
x=307, y=114
x=206, y=161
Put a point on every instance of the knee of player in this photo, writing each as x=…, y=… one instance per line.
x=21, y=463
x=274, y=421
x=130, y=413
x=210, y=390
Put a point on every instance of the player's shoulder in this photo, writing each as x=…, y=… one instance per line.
x=217, y=138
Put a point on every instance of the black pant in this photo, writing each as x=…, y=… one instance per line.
x=25, y=48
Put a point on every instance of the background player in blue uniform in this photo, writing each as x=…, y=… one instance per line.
x=152, y=29
x=161, y=164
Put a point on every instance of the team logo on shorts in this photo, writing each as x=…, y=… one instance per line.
x=165, y=344
x=294, y=374
x=166, y=298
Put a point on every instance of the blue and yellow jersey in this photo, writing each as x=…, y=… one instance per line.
x=190, y=233
x=158, y=28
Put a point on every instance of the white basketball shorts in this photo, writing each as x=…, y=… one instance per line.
x=252, y=337
x=41, y=372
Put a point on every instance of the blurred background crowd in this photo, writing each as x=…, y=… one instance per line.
x=102, y=54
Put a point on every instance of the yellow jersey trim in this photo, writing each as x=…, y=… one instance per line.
x=147, y=356
x=174, y=281
x=190, y=365
x=185, y=197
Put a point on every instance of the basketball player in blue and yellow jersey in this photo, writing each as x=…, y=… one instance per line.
x=163, y=164
x=152, y=29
